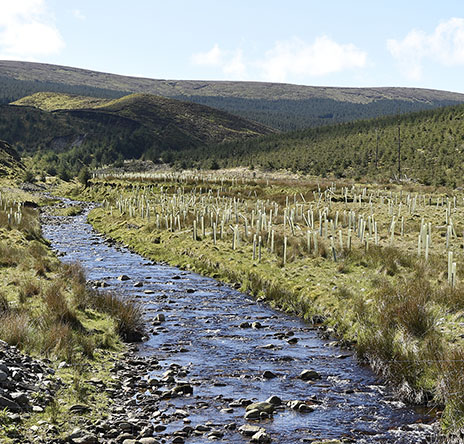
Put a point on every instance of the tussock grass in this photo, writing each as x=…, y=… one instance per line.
x=58, y=308
x=28, y=288
x=128, y=315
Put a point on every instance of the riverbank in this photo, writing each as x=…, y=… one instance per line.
x=54, y=341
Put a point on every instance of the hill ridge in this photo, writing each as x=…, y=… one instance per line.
x=274, y=90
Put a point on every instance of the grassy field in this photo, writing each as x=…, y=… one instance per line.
x=380, y=267
x=47, y=311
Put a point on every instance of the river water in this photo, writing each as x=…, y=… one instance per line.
x=225, y=361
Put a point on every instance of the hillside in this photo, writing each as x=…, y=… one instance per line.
x=202, y=123
x=431, y=147
x=10, y=162
x=71, y=131
x=282, y=106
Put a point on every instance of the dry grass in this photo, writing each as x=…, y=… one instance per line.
x=16, y=329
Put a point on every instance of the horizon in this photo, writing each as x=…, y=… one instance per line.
x=302, y=43
x=233, y=81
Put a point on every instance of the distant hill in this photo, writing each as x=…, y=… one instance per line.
x=282, y=106
x=431, y=147
x=10, y=162
x=72, y=131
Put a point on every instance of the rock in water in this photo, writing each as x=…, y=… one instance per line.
x=261, y=437
x=309, y=375
x=263, y=406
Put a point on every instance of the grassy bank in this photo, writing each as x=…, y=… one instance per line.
x=47, y=311
x=387, y=294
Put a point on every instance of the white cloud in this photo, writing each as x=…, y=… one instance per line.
x=213, y=57
x=77, y=13
x=445, y=45
x=235, y=66
x=291, y=58
x=296, y=57
x=27, y=30
x=230, y=62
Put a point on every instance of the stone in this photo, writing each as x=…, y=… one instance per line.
x=202, y=428
x=252, y=414
x=261, y=437
x=159, y=428
x=216, y=434
x=178, y=440
x=20, y=398
x=249, y=430
x=124, y=436
x=79, y=408
x=86, y=439
x=274, y=400
x=184, y=389
x=123, y=277
x=9, y=404
x=3, y=376
x=269, y=375
x=263, y=406
x=245, y=325
x=300, y=406
x=138, y=284
x=160, y=317
x=148, y=440
x=309, y=375
x=147, y=431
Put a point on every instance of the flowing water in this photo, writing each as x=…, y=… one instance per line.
x=225, y=361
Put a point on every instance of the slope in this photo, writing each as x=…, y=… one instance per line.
x=430, y=143
x=282, y=106
x=10, y=162
x=70, y=131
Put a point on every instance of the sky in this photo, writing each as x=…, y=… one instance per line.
x=322, y=43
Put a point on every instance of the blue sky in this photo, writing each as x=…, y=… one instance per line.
x=332, y=43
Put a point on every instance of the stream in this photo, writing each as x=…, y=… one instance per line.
x=225, y=341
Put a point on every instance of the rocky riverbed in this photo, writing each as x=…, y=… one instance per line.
x=218, y=365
